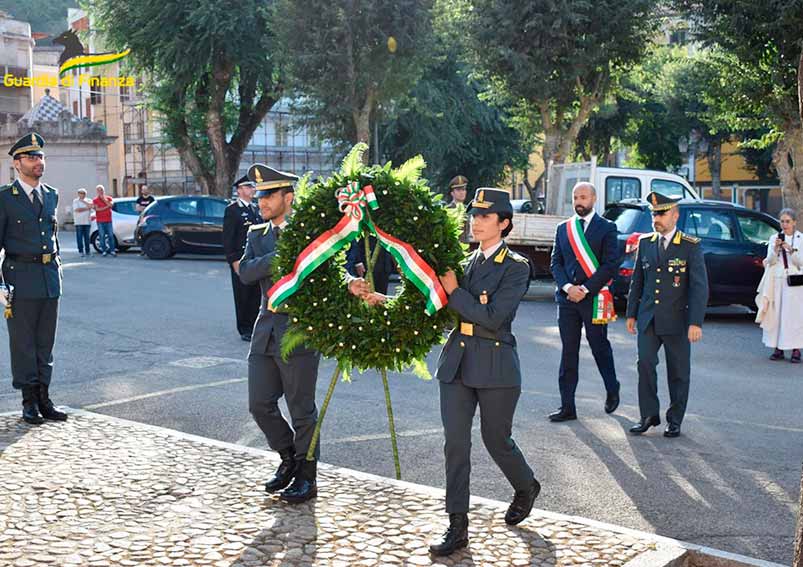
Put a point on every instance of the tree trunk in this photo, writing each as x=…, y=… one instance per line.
x=788, y=161
x=362, y=122
x=714, y=157
x=798, y=561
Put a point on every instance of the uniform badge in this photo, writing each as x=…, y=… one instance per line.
x=14, y=190
x=484, y=297
x=671, y=269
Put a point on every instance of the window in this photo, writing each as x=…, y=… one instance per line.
x=618, y=188
x=710, y=224
x=125, y=93
x=669, y=188
x=755, y=229
x=282, y=130
x=125, y=207
x=95, y=91
x=215, y=208
x=627, y=219
x=185, y=206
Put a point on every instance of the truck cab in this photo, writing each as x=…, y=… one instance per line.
x=613, y=184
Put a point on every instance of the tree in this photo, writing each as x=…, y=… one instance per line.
x=211, y=70
x=556, y=60
x=45, y=16
x=445, y=120
x=348, y=57
x=765, y=86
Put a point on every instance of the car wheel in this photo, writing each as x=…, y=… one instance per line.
x=157, y=247
x=94, y=240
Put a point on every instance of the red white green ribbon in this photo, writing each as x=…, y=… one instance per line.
x=603, y=311
x=352, y=201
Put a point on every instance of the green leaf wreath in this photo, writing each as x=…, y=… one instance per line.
x=399, y=334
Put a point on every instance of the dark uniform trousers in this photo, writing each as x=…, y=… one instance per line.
x=27, y=231
x=269, y=376
x=668, y=292
x=476, y=371
x=236, y=221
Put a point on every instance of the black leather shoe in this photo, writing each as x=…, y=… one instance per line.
x=30, y=405
x=285, y=473
x=522, y=504
x=611, y=402
x=563, y=415
x=305, y=485
x=672, y=430
x=46, y=407
x=643, y=425
x=246, y=337
x=456, y=536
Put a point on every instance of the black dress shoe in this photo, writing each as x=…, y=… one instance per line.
x=612, y=402
x=246, y=337
x=563, y=415
x=46, y=407
x=304, y=486
x=456, y=536
x=285, y=473
x=643, y=425
x=30, y=405
x=672, y=430
x=522, y=504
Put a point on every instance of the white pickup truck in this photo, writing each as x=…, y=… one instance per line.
x=534, y=234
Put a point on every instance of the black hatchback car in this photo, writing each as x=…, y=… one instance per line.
x=734, y=241
x=190, y=224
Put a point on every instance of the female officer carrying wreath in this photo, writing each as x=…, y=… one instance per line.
x=479, y=365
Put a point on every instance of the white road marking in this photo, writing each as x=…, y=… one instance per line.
x=378, y=436
x=164, y=393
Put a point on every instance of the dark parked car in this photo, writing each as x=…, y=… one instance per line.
x=734, y=241
x=191, y=224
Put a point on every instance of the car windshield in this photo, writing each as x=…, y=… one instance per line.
x=125, y=208
x=626, y=218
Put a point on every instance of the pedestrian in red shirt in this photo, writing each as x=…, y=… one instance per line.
x=103, y=216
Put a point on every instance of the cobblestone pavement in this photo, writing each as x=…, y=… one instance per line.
x=101, y=492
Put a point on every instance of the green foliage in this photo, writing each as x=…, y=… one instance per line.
x=337, y=55
x=46, y=16
x=393, y=336
x=211, y=70
x=352, y=163
x=445, y=119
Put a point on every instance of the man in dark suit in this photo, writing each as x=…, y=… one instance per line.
x=239, y=216
x=32, y=272
x=666, y=306
x=269, y=375
x=383, y=267
x=584, y=260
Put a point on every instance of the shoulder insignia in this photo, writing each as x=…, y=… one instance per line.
x=646, y=235
x=516, y=257
x=50, y=187
x=678, y=236
x=258, y=226
x=654, y=237
x=500, y=257
x=689, y=238
x=5, y=187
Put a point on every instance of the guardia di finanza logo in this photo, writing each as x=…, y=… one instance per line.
x=81, y=61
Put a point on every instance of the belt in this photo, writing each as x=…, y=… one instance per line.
x=32, y=258
x=473, y=330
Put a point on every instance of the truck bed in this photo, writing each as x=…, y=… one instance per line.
x=534, y=230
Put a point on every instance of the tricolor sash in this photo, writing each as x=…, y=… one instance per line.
x=602, y=310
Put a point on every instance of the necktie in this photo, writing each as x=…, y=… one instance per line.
x=37, y=204
x=662, y=250
x=276, y=232
x=583, y=224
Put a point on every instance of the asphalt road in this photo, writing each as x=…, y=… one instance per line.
x=155, y=342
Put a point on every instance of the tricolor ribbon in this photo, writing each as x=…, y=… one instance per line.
x=602, y=311
x=352, y=202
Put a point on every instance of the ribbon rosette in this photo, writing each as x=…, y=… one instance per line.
x=352, y=202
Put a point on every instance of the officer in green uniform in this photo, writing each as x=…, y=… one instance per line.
x=479, y=365
x=666, y=306
x=270, y=376
x=32, y=271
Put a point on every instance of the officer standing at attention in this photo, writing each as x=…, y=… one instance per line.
x=269, y=376
x=239, y=216
x=458, y=189
x=666, y=306
x=32, y=269
x=479, y=365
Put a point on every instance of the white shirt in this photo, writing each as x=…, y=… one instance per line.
x=29, y=190
x=280, y=227
x=668, y=237
x=488, y=252
x=83, y=217
x=243, y=203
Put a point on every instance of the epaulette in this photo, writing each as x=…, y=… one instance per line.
x=50, y=187
x=689, y=238
x=5, y=187
x=646, y=235
x=258, y=226
x=516, y=257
